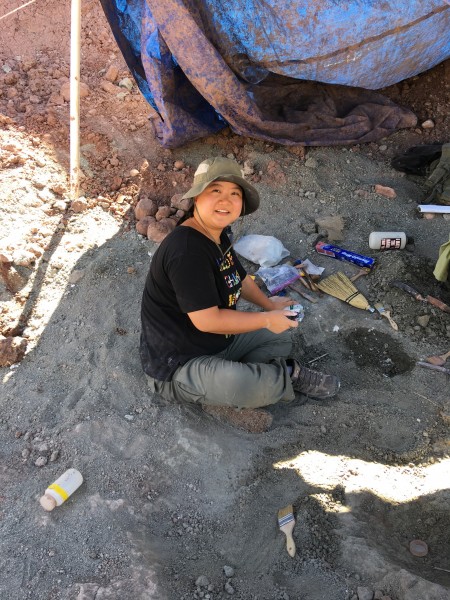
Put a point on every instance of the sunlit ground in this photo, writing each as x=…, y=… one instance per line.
x=389, y=483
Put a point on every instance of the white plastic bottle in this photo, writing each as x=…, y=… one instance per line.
x=387, y=240
x=61, y=489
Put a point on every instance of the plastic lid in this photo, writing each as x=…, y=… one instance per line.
x=418, y=548
x=47, y=502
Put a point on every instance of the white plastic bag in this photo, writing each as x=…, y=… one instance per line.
x=264, y=250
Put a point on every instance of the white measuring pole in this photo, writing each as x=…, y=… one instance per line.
x=75, y=42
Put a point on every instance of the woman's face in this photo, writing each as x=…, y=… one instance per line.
x=219, y=205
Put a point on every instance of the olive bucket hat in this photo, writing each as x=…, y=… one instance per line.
x=223, y=169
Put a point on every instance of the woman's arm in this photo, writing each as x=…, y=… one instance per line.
x=226, y=321
x=252, y=293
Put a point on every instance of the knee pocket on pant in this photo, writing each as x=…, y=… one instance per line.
x=191, y=393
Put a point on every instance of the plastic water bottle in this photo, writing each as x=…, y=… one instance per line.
x=387, y=240
x=61, y=489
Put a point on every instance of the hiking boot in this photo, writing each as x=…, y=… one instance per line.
x=313, y=383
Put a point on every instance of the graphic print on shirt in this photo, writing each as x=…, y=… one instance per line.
x=232, y=280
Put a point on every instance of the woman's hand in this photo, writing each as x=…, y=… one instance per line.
x=277, y=320
x=280, y=302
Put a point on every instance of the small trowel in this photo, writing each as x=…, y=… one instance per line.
x=409, y=289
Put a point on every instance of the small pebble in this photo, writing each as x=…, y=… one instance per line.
x=229, y=571
x=202, y=581
x=229, y=588
x=364, y=593
x=41, y=461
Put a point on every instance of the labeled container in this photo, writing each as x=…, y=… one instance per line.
x=387, y=240
x=61, y=489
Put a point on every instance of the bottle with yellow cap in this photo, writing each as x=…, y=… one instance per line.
x=61, y=489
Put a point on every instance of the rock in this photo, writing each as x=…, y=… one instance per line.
x=146, y=207
x=24, y=258
x=142, y=224
x=248, y=169
x=76, y=276
x=54, y=455
x=11, y=278
x=202, y=581
x=311, y=163
x=111, y=74
x=12, y=349
x=334, y=226
x=157, y=231
x=59, y=205
x=177, y=201
x=134, y=173
x=385, y=191
x=79, y=205
x=428, y=216
x=65, y=90
x=229, y=571
x=108, y=87
x=116, y=183
x=428, y=124
x=229, y=588
x=364, y=593
x=162, y=213
x=126, y=83
x=178, y=165
x=423, y=320
x=41, y=461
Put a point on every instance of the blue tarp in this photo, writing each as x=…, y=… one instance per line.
x=295, y=72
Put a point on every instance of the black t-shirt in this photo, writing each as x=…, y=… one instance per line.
x=187, y=273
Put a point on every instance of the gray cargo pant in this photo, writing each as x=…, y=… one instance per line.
x=251, y=372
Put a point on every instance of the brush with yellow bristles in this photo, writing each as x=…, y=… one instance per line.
x=339, y=286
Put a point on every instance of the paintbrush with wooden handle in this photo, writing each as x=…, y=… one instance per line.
x=286, y=522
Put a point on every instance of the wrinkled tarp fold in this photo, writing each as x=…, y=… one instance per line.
x=191, y=60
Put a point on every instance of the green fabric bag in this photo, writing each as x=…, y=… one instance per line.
x=437, y=185
x=442, y=266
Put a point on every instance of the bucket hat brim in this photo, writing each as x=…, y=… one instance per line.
x=224, y=169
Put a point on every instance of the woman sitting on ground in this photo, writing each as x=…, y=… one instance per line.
x=195, y=345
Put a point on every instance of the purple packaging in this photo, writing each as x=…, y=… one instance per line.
x=347, y=255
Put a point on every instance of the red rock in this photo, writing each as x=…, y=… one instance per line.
x=142, y=224
x=12, y=350
x=387, y=192
x=116, y=182
x=79, y=205
x=145, y=207
x=11, y=278
x=157, y=231
x=112, y=73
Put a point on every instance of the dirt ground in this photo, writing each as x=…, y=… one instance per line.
x=176, y=505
